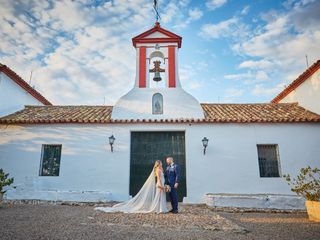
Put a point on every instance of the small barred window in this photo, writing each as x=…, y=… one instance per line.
x=268, y=156
x=50, y=160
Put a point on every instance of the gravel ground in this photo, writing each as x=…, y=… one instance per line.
x=49, y=221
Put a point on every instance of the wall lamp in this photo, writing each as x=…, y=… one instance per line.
x=205, y=144
x=111, y=141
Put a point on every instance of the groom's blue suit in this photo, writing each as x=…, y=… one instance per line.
x=172, y=177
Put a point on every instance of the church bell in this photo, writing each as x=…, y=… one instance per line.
x=157, y=77
x=156, y=70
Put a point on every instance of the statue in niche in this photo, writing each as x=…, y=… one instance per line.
x=157, y=107
x=157, y=104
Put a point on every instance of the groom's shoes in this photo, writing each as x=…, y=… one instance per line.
x=173, y=211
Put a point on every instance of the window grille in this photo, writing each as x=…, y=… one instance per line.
x=268, y=156
x=50, y=160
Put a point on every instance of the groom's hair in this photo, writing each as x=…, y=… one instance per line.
x=170, y=158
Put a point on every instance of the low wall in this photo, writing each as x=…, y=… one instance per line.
x=258, y=201
x=76, y=196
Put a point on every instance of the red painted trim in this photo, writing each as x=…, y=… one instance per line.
x=158, y=40
x=172, y=66
x=296, y=83
x=23, y=84
x=141, y=38
x=142, y=67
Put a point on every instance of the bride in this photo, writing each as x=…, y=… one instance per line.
x=150, y=198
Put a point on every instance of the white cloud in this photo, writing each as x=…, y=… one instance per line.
x=232, y=94
x=238, y=76
x=230, y=28
x=183, y=3
x=189, y=76
x=284, y=40
x=261, y=76
x=66, y=15
x=214, y=4
x=249, y=77
x=79, y=53
x=221, y=29
x=261, y=64
x=296, y=3
x=170, y=12
x=195, y=14
x=245, y=10
x=280, y=44
x=181, y=16
x=261, y=90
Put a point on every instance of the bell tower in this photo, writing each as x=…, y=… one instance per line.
x=162, y=45
x=157, y=92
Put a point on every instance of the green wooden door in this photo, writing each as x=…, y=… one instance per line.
x=146, y=147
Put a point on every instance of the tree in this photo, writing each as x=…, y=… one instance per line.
x=307, y=183
x=4, y=180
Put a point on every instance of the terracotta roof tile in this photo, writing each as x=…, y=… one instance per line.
x=296, y=83
x=60, y=114
x=214, y=113
x=258, y=112
x=23, y=84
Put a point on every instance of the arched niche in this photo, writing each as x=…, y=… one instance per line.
x=157, y=103
x=157, y=54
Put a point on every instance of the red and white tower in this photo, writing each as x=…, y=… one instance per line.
x=157, y=93
x=157, y=43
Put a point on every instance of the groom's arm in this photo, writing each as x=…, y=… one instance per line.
x=165, y=177
x=177, y=174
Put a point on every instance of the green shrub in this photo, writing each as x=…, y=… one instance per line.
x=4, y=180
x=307, y=183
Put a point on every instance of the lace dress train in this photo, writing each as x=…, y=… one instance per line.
x=149, y=199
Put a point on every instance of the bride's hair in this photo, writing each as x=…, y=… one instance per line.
x=156, y=164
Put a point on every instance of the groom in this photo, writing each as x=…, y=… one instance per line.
x=172, y=179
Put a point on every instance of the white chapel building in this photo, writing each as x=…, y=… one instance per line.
x=305, y=90
x=63, y=153
x=15, y=93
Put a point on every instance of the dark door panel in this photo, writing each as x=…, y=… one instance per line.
x=146, y=147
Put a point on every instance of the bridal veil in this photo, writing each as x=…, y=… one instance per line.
x=143, y=202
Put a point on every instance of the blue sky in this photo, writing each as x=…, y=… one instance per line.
x=233, y=51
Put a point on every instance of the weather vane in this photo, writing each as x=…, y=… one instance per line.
x=156, y=8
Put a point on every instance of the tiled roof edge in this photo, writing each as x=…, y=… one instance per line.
x=296, y=83
x=23, y=84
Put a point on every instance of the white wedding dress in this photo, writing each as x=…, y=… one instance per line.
x=149, y=199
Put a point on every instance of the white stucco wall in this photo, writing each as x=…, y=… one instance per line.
x=232, y=157
x=13, y=97
x=177, y=104
x=307, y=94
x=89, y=171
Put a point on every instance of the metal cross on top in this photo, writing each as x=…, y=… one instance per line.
x=157, y=69
x=156, y=7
